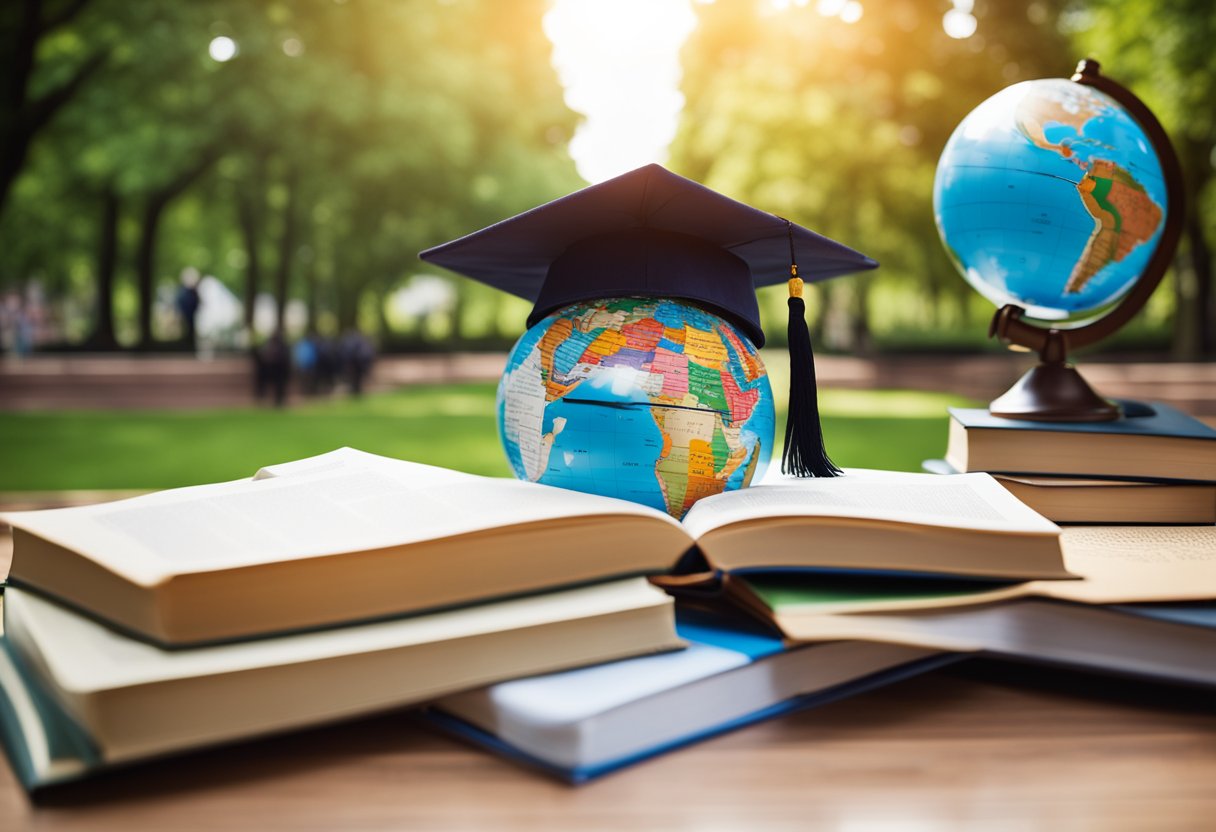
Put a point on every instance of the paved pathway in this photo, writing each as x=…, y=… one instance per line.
x=176, y=382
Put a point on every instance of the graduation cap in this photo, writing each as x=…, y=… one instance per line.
x=651, y=233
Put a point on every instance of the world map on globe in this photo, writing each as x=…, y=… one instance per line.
x=1049, y=196
x=655, y=401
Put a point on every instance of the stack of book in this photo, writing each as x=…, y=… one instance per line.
x=1154, y=464
x=318, y=590
x=520, y=614
x=348, y=583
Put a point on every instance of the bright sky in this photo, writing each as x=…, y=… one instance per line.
x=618, y=61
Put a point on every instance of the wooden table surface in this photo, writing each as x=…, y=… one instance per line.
x=981, y=746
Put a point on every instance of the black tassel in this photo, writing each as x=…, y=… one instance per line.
x=804, y=454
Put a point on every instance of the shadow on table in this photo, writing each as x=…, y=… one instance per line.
x=1079, y=684
x=251, y=763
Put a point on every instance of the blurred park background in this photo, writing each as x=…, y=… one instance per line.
x=286, y=160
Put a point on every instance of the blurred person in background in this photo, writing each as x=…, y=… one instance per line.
x=188, y=302
x=327, y=368
x=17, y=325
x=272, y=369
x=356, y=354
x=305, y=356
x=8, y=322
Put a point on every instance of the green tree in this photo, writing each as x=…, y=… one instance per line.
x=839, y=126
x=339, y=140
x=41, y=73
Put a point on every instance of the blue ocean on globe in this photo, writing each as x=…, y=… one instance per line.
x=1050, y=196
x=655, y=401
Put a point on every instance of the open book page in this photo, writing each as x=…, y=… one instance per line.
x=1136, y=563
x=968, y=501
x=344, y=459
x=330, y=510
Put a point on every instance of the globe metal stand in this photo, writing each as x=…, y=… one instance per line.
x=1053, y=391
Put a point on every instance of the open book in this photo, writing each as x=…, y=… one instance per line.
x=1114, y=564
x=349, y=536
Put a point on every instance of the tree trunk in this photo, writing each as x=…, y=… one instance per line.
x=860, y=324
x=346, y=310
x=1192, y=336
x=385, y=328
x=103, y=337
x=287, y=248
x=1201, y=324
x=145, y=269
x=460, y=303
x=312, y=294
x=340, y=269
x=21, y=118
x=247, y=218
x=145, y=255
x=1201, y=266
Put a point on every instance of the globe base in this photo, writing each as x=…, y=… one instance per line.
x=1053, y=392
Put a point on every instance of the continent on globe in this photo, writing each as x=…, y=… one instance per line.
x=1067, y=107
x=656, y=401
x=1124, y=214
x=1124, y=217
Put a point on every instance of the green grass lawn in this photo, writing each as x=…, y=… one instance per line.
x=450, y=425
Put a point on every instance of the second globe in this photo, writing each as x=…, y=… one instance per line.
x=656, y=401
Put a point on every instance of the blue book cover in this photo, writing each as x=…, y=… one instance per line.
x=1139, y=419
x=580, y=725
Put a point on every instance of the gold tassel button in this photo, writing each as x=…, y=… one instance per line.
x=795, y=285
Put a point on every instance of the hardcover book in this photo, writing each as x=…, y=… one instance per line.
x=1151, y=440
x=582, y=724
x=1114, y=565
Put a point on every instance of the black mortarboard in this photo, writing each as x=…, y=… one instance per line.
x=652, y=233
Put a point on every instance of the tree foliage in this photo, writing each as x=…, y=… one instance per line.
x=839, y=126
x=340, y=140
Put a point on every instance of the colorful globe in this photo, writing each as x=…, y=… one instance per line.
x=1049, y=196
x=655, y=401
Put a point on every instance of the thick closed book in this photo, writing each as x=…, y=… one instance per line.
x=350, y=536
x=132, y=700
x=582, y=724
x=1113, y=565
x=1153, y=441
x=1064, y=499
